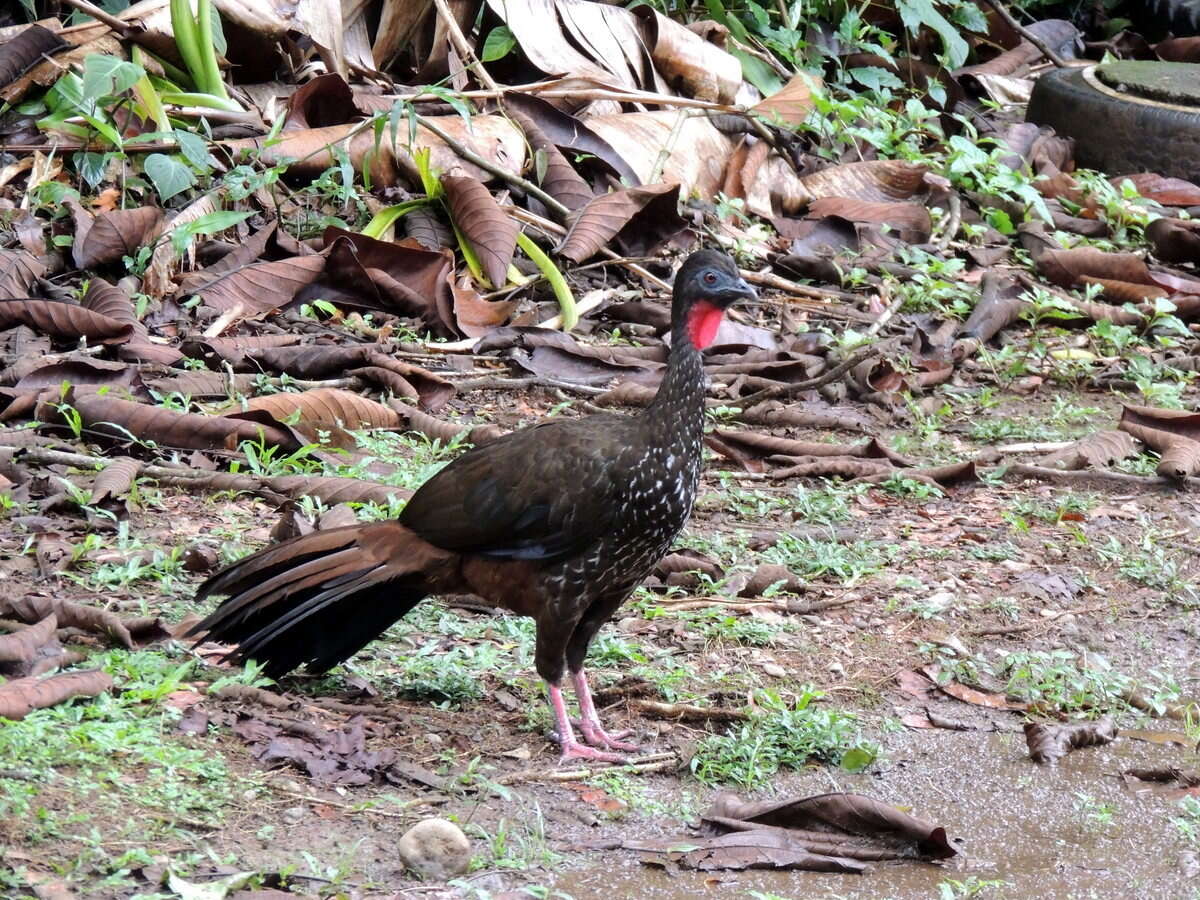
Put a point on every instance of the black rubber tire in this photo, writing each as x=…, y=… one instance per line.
x=1116, y=135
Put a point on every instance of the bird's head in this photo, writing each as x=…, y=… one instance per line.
x=706, y=285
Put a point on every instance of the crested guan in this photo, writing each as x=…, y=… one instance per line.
x=559, y=521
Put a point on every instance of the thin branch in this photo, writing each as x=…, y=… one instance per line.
x=771, y=280
x=799, y=387
x=124, y=29
x=499, y=171
x=459, y=40
x=1028, y=35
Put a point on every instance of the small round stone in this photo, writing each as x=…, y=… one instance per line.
x=435, y=849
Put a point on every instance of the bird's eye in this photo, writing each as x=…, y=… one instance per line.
x=710, y=278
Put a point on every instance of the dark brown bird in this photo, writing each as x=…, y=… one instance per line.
x=560, y=522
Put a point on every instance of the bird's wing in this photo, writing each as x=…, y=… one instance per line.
x=543, y=493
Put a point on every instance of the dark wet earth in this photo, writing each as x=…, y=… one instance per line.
x=1070, y=831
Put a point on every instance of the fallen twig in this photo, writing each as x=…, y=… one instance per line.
x=787, y=390
x=654, y=762
x=1095, y=476
x=686, y=712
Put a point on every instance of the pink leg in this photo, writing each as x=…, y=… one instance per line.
x=589, y=723
x=571, y=748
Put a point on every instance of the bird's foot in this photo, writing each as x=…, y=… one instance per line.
x=574, y=750
x=595, y=736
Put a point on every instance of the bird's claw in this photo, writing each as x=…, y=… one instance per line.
x=576, y=750
x=595, y=735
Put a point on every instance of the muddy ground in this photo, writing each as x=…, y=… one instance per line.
x=1080, y=599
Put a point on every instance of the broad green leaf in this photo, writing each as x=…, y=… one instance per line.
x=758, y=73
x=499, y=43
x=91, y=166
x=856, y=759
x=106, y=76
x=194, y=149
x=875, y=78
x=915, y=13
x=169, y=175
x=210, y=223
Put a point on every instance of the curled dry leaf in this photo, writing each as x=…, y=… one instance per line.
x=324, y=410
x=489, y=231
x=106, y=300
x=910, y=220
x=970, y=695
x=1096, y=451
x=696, y=153
x=1067, y=268
x=21, y=696
x=164, y=259
x=1175, y=240
x=561, y=181
x=116, y=234
x=32, y=608
x=63, y=320
x=440, y=430
x=1049, y=743
x=609, y=215
x=1000, y=304
x=26, y=49
x=125, y=421
x=243, y=278
x=22, y=646
x=877, y=180
x=19, y=271
x=690, y=64
x=423, y=226
x=116, y=479
x=792, y=103
x=1180, y=459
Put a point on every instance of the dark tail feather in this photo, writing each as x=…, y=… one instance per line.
x=318, y=599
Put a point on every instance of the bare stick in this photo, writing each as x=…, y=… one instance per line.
x=1028, y=35
x=120, y=27
x=786, y=390
x=459, y=40
x=499, y=171
x=1093, y=476
x=769, y=279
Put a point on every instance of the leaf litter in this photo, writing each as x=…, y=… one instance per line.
x=241, y=298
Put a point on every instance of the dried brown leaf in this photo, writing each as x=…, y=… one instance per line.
x=115, y=234
x=25, y=50
x=691, y=65
x=1160, y=427
x=792, y=103
x=489, y=231
x=33, y=608
x=116, y=479
x=877, y=180
x=1067, y=268
x=561, y=181
x=21, y=696
x=22, y=646
x=1180, y=459
x=608, y=215
x=1049, y=743
x=910, y=220
x=325, y=409
x=1097, y=451
x=1164, y=190
x=63, y=320
x=19, y=271
x=124, y=421
x=1175, y=240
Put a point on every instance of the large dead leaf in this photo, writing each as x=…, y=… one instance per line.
x=23, y=645
x=828, y=832
x=792, y=103
x=473, y=315
x=116, y=479
x=1097, y=451
x=1000, y=304
x=124, y=421
x=22, y=52
x=691, y=65
x=1160, y=188
x=402, y=278
x=486, y=227
x=35, y=608
x=1175, y=240
x=324, y=410
x=64, y=320
x=560, y=181
x=688, y=149
x=19, y=271
x=969, y=694
x=494, y=138
x=641, y=217
x=570, y=133
x=1049, y=743
x=115, y=234
x=876, y=181
x=21, y=696
x=910, y=220
x=243, y=279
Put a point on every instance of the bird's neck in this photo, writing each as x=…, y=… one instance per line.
x=676, y=413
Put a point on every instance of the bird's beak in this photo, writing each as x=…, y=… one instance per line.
x=738, y=289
